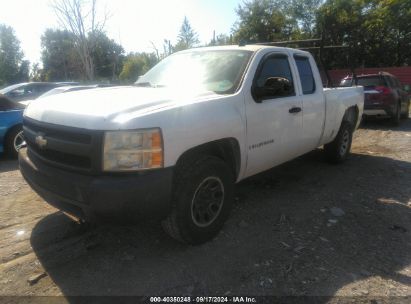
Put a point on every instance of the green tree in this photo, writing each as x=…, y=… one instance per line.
x=187, y=37
x=305, y=13
x=81, y=19
x=136, y=64
x=107, y=57
x=263, y=21
x=388, y=26
x=12, y=67
x=341, y=22
x=61, y=62
x=377, y=32
x=36, y=74
x=24, y=71
x=221, y=39
x=59, y=56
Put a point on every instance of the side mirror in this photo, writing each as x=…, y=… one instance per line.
x=274, y=87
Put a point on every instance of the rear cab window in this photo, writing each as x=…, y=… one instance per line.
x=306, y=74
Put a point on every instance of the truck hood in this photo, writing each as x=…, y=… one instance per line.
x=108, y=108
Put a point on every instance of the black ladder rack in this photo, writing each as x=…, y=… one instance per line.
x=312, y=45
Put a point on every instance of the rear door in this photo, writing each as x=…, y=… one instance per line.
x=274, y=124
x=313, y=102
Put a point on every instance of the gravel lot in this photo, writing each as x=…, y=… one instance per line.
x=304, y=228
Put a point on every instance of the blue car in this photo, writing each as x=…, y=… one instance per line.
x=11, y=132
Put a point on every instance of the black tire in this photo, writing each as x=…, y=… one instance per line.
x=187, y=222
x=396, y=117
x=338, y=150
x=406, y=115
x=12, y=139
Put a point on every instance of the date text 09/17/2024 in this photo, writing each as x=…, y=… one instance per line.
x=204, y=299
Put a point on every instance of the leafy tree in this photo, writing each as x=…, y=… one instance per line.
x=167, y=48
x=24, y=71
x=12, y=67
x=221, y=39
x=340, y=22
x=263, y=21
x=80, y=18
x=187, y=37
x=61, y=60
x=388, y=25
x=107, y=57
x=371, y=30
x=36, y=73
x=59, y=56
x=368, y=29
x=304, y=12
x=137, y=64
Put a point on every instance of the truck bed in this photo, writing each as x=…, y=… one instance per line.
x=337, y=101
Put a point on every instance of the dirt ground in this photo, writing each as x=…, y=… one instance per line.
x=304, y=228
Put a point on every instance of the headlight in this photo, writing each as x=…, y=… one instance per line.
x=132, y=150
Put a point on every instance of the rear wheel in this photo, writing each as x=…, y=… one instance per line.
x=338, y=150
x=396, y=117
x=14, y=141
x=406, y=115
x=202, y=199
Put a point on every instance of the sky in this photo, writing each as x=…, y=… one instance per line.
x=132, y=23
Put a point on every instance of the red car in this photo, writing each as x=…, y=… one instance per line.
x=384, y=95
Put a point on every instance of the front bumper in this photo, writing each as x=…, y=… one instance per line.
x=135, y=195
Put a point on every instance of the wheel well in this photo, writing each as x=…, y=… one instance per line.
x=226, y=149
x=351, y=115
x=18, y=126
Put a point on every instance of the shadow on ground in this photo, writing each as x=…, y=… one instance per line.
x=282, y=238
x=7, y=164
x=385, y=124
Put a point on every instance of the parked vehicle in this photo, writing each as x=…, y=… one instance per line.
x=11, y=118
x=27, y=91
x=384, y=95
x=63, y=89
x=11, y=130
x=173, y=146
x=66, y=89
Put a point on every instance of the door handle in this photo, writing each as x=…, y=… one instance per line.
x=294, y=110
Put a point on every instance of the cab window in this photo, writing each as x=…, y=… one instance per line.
x=274, y=78
x=306, y=74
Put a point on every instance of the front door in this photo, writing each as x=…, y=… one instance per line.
x=274, y=118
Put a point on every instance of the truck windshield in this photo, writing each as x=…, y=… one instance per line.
x=218, y=71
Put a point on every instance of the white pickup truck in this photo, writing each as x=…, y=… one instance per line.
x=173, y=145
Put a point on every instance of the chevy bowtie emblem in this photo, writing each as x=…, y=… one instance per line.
x=41, y=141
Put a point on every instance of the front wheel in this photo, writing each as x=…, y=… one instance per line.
x=14, y=141
x=202, y=199
x=338, y=150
